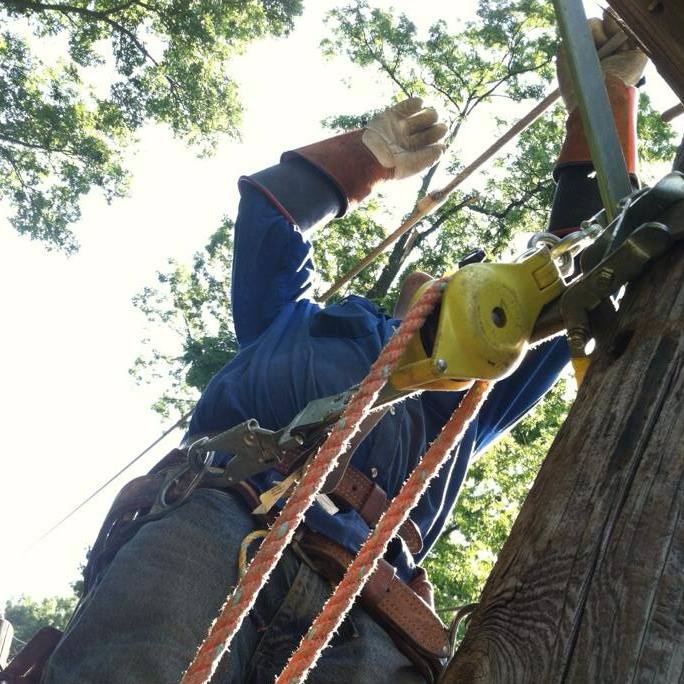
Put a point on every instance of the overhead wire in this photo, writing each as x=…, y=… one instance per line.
x=104, y=485
x=434, y=199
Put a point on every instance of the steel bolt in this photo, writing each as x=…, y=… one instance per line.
x=441, y=365
x=299, y=439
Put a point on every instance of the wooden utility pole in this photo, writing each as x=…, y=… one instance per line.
x=589, y=586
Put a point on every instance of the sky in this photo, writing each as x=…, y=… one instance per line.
x=71, y=413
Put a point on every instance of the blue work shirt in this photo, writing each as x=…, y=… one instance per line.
x=293, y=350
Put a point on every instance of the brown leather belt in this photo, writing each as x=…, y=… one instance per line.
x=359, y=492
x=398, y=606
x=408, y=619
x=355, y=490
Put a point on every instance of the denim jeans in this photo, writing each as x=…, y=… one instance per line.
x=147, y=615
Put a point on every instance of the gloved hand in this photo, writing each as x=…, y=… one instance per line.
x=316, y=182
x=399, y=142
x=405, y=137
x=577, y=197
x=627, y=64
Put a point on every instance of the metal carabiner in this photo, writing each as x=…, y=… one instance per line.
x=194, y=464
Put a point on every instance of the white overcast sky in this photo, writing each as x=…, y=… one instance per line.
x=71, y=414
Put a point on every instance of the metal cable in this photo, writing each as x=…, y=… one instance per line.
x=90, y=497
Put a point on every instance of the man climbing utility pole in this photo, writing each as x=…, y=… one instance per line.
x=153, y=589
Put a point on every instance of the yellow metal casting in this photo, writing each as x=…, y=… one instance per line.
x=484, y=323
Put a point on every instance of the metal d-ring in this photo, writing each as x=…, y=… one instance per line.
x=194, y=464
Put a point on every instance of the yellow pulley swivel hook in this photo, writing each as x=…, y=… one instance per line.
x=482, y=326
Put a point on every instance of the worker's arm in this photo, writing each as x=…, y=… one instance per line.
x=272, y=264
x=576, y=199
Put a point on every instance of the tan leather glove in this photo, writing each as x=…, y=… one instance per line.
x=405, y=137
x=399, y=142
x=627, y=64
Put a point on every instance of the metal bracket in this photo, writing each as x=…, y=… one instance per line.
x=317, y=414
x=619, y=255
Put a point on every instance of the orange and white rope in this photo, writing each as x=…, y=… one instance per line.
x=362, y=567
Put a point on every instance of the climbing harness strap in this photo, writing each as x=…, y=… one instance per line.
x=27, y=666
x=404, y=610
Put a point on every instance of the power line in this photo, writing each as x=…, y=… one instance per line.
x=72, y=512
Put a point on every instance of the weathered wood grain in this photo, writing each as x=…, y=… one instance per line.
x=590, y=585
x=659, y=26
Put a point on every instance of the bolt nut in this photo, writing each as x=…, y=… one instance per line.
x=440, y=365
x=299, y=439
x=578, y=338
x=499, y=317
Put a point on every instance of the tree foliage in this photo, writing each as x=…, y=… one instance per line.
x=193, y=305
x=63, y=128
x=28, y=615
x=492, y=496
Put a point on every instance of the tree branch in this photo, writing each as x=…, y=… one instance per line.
x=442, y=218
x=383, y=65
x=7, y=155
x=38, y=146
x=99, y=15
x=513, y=204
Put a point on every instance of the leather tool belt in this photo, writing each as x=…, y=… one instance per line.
x=403, y=610
x=27, y=666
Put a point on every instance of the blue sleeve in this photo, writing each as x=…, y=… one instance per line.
x=272, y=265
x=514, y=396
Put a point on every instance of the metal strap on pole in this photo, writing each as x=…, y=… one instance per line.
x=597, y=116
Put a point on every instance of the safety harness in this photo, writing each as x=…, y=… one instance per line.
x=320, y=441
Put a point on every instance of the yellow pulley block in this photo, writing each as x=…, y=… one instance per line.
x=482, y=326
